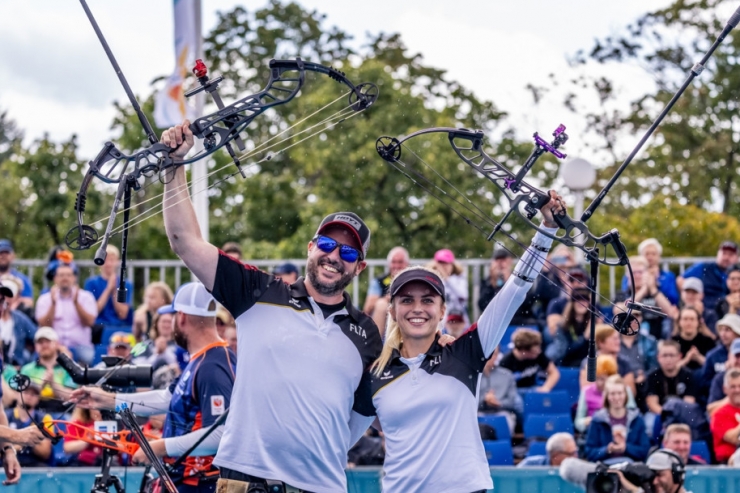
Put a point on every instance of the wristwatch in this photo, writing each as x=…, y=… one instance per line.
x=5, y=449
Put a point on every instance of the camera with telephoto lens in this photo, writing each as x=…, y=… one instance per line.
x=604, y=480
x=122, y=376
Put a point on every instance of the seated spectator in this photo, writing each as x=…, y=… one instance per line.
x=368, y=451
x=677, y=438
x=728, y=330
x=398, y=259
x=455, y=324
x=569, y=345
x=717, y=397
x=20, y=417
x=576, y=289
x=16, y=329
x=232, y=249
x=553, y=280
x=668, y=380
x=500, y=269
x=119, y=348
x=223, y=320
x=692, y=294
x=230, y=337
x=731, y=302
x=162, y=351
x=7, y=256
x=725, y=421
x=591, y=396
x=498, y=393
x=54, y=380
x=694, y=339
x=530, y=367
x=647, y=293
x=69, y=310
x=616, y=432
x=154, y=425
x=456, y=283
x=156, y=295
x=287, y=272
x=639, y=350
x=608, y=342
x=651, y=250
x=86, y=454
x=713, y=276
x=104, y=287
x=559, y=447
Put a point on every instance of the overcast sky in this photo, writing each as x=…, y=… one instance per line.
x=55, y=78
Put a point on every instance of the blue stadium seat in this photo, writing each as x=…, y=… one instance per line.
x=545, y=425
x=555, y=402
x=499, y=424
x=537, y=448
x=701, y=449
x=569, y=382
x=498, y=452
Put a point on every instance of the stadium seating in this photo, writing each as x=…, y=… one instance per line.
x=555, y=402
x=701, y=449
x=569, y=382
x=537, y=448
x=545, y=425
x=498, y=452
x=499, y=424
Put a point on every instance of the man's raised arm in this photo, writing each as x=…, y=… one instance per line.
x=180, y=221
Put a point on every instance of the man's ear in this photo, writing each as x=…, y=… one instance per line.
x=309, y=246
x=361, y=265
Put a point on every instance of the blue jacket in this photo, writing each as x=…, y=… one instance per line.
x=23, y=331
x=713, y=364
x=666, y=285
x=600, y=435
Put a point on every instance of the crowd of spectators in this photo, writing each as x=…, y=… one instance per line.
x=680, y=369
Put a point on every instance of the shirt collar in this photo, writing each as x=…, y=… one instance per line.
x=434, y=350
x=298, y=290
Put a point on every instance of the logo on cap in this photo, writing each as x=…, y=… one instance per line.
x=348, y=219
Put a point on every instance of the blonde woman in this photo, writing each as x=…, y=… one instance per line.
x=156, y=295
x=424, y=395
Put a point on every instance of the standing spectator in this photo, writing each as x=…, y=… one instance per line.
x=713, y=276
x=651, y=250
x=456, y=284
x=731, y=302
x=156, y=295
x=500, y=269
x=398, y=259
x=591, y=395
x=498, y=393
x=728, y=330
x=717, y=397
x=104, y=287
x=531, y=368
x=16, y=329
x=725, y=422
x=693, y=338
x=616, y=432
x=232, y=249
x=608, y=342
x=287, y=272
x=559, y=447
x=669, y=379
x=54, y=380
x=677, y=438
x=7, y=256
x=19, y=417
x=647, y=293
x=70, y=311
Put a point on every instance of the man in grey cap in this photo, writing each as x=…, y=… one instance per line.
x=670, y=473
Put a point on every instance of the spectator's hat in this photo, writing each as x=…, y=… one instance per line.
x=501, y=253
x=732, y=321
x=662, y=460
x=735, y=347
x=422, y=275
x=33, y=388
x=6, y=246
x=8, y=289
x=455, y=316
x=352, y=223
x=46, y=333
x=445, y=255
x=194, y=299
x=725, y=245
x=693, y=284
x=121, y=339
x=286, y=268
x=224, y=316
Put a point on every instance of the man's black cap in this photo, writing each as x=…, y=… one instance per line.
x=353, y=223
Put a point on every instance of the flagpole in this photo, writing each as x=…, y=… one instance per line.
x=199, y=169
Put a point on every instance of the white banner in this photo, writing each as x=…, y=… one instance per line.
x=170, y=107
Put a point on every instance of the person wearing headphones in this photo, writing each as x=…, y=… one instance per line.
x=670, y=473
x=416, y=384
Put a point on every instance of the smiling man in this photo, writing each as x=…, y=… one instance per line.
x=304, y=348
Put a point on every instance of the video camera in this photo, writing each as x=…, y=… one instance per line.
x=604, y=480
x=121, y=376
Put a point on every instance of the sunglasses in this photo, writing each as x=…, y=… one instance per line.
x=346, y=252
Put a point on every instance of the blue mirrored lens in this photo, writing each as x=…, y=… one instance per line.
x=346, y=253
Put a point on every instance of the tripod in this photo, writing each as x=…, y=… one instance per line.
x=105, y=479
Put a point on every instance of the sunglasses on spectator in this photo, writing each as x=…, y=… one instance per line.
x=346, y=252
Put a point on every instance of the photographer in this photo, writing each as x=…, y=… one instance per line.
x=669, y=474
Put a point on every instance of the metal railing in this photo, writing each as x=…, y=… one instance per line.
x=174, y=272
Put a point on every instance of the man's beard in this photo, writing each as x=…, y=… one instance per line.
x=331, y=289
x=180, y=338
